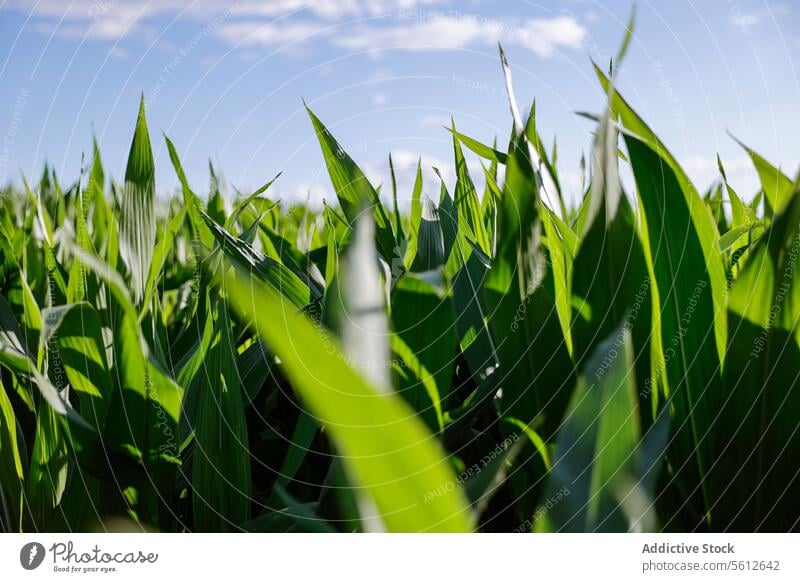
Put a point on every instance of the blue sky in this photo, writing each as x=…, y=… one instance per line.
x=225, y=82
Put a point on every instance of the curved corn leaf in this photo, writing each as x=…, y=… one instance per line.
x=466, y=200
x=385, y=447
x=201, y=232
x=11, y=474
x=690, y=280
x=536, y=372
x=163, y=248
x=424, y=321
x=74, y=332
x=414, y=219
x=758, y=442
x=278, y=277
x=486, y=152
x=47, y=476
x=144, y=408
x=354, y=190
x=777, y=187
x=610, y=277
x=303, y=436
x=594, y=466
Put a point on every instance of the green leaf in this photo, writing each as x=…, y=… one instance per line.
x=237, y=210
x=398, y=223
x=424, y=320
x=776, y=185
x=15, y=358
x=387, y=450
x=74, y=334
x=610, y=277
x=466, y=200
x=11, y=474
x=332, y=253
x=559, y=273
x=414, y=219
x=193, y=204
x=594, y=466
x=689, y=278
x=80, y=286
x=143, y=411
x=628, y=35
x=490, y=202
x=290, y=516
x=757, y=437
x=163, y=248
x=138, y=219
x=279, y=278
x=429, y=244
x=47, y=476
x=303, y=436
x=298, y=262
x=467, y=274
x=533, y=436
x=546, y=168
x=483, y=485
x=484, y=151
x=354, y=190
x=733, y=237
x=535, y=367
x=221, y=456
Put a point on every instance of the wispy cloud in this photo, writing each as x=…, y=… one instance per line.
x=542, y=36
x=744, y=20
x=113, y=19
x=117, y=52
x=269, y=35
x=432, y=120
x=353, y=25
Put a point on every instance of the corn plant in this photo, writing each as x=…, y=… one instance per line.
x=478, y=363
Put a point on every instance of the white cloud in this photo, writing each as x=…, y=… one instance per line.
x=379, y=99
x=112, y=19
x=744, y=20
x=542, y=36
x=269, y=35
x=433, y=120
x=407, y=24
x=117, y=52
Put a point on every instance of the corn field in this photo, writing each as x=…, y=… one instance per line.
x=487, y=361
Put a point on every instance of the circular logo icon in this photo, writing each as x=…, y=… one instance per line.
x=31, y=555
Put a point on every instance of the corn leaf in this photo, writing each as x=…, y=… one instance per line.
x=386, y=448
x=138, y=225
